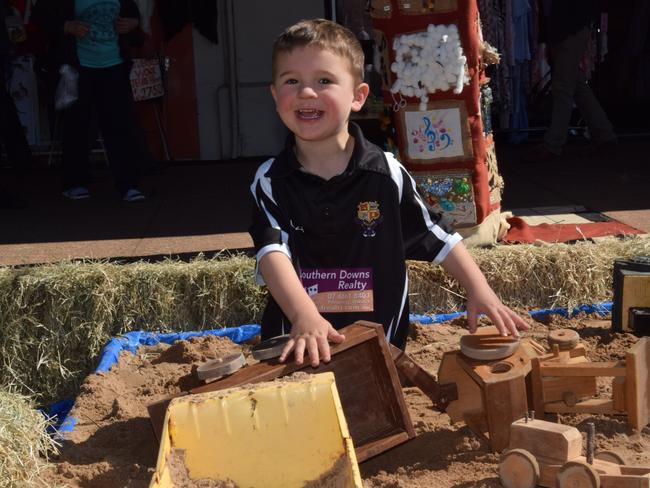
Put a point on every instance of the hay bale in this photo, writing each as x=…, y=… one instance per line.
x=530, y=276
x=24, y=442
x=54, y=319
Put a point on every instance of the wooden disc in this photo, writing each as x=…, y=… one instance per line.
x=577, y=474
x=487, y=344
x=270, y=348
x=518, y=468
x=220, y=367
x=610, y=457
x=564, y=338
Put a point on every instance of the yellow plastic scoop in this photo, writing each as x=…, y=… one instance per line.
x=289, y=433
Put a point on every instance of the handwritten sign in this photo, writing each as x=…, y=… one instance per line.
x=146, y=79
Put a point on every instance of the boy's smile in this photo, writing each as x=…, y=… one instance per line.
x=314, y=93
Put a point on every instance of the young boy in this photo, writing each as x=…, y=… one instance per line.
x=336, y=217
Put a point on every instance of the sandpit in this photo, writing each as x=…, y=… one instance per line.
x=113, y=445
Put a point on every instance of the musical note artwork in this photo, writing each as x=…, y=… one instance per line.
x=434, y=134
x=439, y=134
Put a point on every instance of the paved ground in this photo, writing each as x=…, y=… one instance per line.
x=204, y=207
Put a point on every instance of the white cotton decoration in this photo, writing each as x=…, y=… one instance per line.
x=427, y=62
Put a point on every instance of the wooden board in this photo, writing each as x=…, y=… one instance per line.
x=415, y=375
x=618, y=394
x=367, y=382
x=606, y=368
x=637, y=384
x=556, y=388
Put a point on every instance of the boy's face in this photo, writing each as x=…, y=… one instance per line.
x=314, y=93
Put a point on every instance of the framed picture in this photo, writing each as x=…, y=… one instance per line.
x=449, y=192
x=439, y=134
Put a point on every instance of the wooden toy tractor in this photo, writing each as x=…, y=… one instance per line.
x=549, y=454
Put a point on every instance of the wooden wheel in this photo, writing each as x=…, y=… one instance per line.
x=488, y=344
x=217, y=368
x=564, y=338
x=518, y=468
x=577, y=474
x=610, y=457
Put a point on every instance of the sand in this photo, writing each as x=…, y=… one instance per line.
x=113, y=444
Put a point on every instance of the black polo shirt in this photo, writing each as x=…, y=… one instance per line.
x=347, y=237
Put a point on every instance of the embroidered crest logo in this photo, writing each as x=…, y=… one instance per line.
x=369, y=216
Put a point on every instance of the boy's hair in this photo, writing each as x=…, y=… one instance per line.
x=323, y=34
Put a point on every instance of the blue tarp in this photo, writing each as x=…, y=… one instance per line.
x=132, y=340
x=604, y=308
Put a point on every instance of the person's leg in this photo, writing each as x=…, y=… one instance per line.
x=119, y=128
x=75, y=122
x=11, y=130
x=600, y=127
x=18, y=152
x=566, y=69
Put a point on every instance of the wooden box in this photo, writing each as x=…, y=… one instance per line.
x=366, y=379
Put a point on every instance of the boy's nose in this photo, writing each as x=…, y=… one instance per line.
x=307, y=91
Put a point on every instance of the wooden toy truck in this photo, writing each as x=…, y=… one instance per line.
x=548, y=454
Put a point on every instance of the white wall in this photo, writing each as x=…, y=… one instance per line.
x=256, y=24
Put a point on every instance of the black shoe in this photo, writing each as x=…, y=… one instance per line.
x=540, y=154
x=133, y=195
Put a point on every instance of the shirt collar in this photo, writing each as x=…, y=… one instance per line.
x=364, y=156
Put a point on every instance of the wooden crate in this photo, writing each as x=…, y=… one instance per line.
x=366, y=379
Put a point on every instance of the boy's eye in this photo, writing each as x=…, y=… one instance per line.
x=324, y=81
x=291, y=81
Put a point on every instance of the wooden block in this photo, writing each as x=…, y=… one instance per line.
x=618, y=394
x=556, y=388
x=503, y=393
x=470, y=399
x=553, y=443
x=367, y=382
x=505, y=402
x=637, y=384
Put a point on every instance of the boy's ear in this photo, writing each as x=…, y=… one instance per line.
x=360, y=96
x=273, y=94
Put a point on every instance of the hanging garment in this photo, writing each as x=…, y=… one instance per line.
x=146, y=11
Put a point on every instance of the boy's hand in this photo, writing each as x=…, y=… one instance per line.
x=484, y=300
x=311, y=335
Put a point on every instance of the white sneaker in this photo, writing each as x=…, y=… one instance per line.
x=77, y=193
x=133, y=195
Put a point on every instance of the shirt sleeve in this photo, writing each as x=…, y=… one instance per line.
x=268, y=229
x=426, y=237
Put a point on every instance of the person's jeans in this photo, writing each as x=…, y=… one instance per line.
x=105, y=92
x=569, y=84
